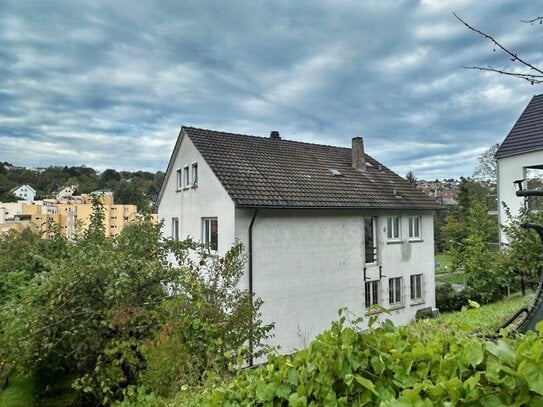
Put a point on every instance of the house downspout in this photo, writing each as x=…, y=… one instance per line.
x=250, y=249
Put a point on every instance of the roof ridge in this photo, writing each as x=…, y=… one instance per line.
x=264, y=137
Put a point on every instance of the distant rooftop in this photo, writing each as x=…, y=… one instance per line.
x=527, y=133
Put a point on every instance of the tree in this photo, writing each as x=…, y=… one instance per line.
x=456, y=225
x=410, y=177
x=96, y=309
x=531, y=73
x=524, y=246
x=487, y=169
x=488, y=273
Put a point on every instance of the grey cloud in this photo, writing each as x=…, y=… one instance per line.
x=82, y=78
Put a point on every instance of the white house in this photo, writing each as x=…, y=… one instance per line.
x=65, y=192
x=25, y=192
x=324, y=227
x=520, y=157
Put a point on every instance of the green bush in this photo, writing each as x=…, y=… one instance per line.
x=448, y=299
x=385, y=366
x=96, y=310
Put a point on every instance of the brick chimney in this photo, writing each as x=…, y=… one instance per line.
x=275, y=135
x=358, y=160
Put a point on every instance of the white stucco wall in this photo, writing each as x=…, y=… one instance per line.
x=308, y=264
x=511, y=169
x=209, y=199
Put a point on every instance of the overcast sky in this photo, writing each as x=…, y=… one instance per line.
x=109, y=83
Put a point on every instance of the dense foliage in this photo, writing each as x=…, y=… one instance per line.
x=391, y=366
x=470, y=193
x=97, y=310
x=135, y=188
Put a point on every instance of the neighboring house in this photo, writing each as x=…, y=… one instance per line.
x=24, y=192
x=324, y=227
x=65, y=192
x=520, y=157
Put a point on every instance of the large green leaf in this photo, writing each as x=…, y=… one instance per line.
x=534, y=376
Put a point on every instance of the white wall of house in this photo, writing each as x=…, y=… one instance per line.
x=511, y=169
x=308, y=264
x=25, y=192
x=190, y=204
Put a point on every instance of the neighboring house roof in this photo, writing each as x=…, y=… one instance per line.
x=12, y=190
x=527, y=133
x=277, y=173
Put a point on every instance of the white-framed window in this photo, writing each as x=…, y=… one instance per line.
x=210, y=233
x=416, y=287
x=179, y=179
x=414, y=227
x=175, y=228
x=371, y=294
x=395, y=286
x=186, y=177
x=393, y=228
x=194, y=175
x=370, y=240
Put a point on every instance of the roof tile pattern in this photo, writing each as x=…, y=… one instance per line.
x=527, y=133
x=276, y=173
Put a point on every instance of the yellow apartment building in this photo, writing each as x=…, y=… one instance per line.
x=70, y=216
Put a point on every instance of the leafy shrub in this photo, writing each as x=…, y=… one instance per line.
x=424, y=313
x=96, y=309
x=385, y=366
x=448, y=299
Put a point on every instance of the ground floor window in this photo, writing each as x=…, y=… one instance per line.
x=210, y=233
x=416, y=287
x=395, y=291
x=371, y=293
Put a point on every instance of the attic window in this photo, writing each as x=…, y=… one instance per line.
x=336, y=173
x=368, y=164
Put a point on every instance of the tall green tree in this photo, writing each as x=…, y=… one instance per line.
x=97, y=309
x=455, y=229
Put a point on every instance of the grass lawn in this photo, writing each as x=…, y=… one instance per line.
x=22, y=392
x=18, y=393
x=452, y=278
x=485, y=319
x=444, y=261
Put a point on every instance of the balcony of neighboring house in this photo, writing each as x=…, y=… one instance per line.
x=492, y=205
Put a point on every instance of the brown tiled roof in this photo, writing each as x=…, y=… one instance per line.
x=277, y=173
x=527, y=133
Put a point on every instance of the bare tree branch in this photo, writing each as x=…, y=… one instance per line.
x=533, y=79
x=533, y=20
x=530, y=77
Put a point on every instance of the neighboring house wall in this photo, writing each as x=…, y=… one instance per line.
x=189, y=204
x=65, y=192
x=510, y=169
x=25, y=192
